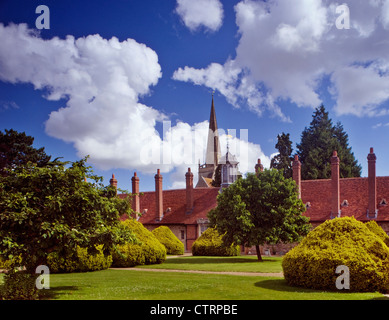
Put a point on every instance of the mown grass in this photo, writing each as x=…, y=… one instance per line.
x=234, y=264
x=149, y=285
x=136, y=284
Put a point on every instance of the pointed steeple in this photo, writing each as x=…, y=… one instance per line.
x=213, y=146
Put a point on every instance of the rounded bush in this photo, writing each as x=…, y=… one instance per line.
x=147, y=250
x=80, y=261
x=210, y=243
x=341, y=241
x=172, y=244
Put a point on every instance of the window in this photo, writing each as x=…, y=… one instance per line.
x=182, y=234
x=383, y=202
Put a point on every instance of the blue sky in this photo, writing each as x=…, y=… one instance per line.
x=80, y=91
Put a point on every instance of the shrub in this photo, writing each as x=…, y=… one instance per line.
x=210, y=243
x=19, y=285
x=375, y=228
x=172, y=244
x=341, y=241
x=79, y=261
x=148, y=250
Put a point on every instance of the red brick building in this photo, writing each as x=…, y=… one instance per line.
x=185, y=211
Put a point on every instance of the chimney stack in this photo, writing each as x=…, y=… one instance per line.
x=258, y=167
x=297, y=173
x=158, y=196
x=135, y=193
x=113, y=182
x=189, y=190
x=335, y=186
x=372, y=206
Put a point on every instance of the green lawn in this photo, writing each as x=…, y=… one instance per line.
x=138, y=285
x=149, y=285
x=236, y=264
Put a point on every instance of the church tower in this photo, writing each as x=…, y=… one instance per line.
x=207, y=170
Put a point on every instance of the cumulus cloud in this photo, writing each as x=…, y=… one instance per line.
x=100, y=81
x=200, y=13
x=286, y=48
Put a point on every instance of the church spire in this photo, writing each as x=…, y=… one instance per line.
x=213, y=145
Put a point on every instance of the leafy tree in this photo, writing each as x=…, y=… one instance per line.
x=16, y=150
x=259, y=209
x=318, y=141
x=283, y=160
x=54, y=209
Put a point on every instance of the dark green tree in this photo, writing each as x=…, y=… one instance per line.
x=283, y=160
x=259, y=209
x=16, y=150
x=53, y=209
x=318, y=141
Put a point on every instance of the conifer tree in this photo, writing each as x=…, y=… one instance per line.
x=283, y=160
x=318, y=141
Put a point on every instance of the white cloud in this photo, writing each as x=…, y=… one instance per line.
x=287, y=47
x=102, y=81
x=201, y=13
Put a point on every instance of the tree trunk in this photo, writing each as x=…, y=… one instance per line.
x=258, y=253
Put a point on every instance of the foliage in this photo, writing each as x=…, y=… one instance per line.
x=147, y=250
x=79, y=261
x=53, y=209
x=375, y=228
x=341, y=241
x=172, y=244
x=283, y=160
x=258, y=209
x=318, y=142
x=210, y=243
x=19, y=285
x=16, y=150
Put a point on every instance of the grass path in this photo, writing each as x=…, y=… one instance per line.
x=231, y=273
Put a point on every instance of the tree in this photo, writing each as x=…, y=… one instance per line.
x=318, y=142
x=16, y=150
x=54, y=209
x=283, y=160
x=259, y=209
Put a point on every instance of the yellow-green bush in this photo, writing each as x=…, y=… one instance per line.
x=172, y=244
x=148, y=250
x=341, y=241
x=375, y=228
x=80, y=261
x=210, y=243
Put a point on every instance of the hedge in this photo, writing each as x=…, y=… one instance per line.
x=172, y=244
x=148, y=250
x=341, y=241
x=79, y=261
x=210, y=243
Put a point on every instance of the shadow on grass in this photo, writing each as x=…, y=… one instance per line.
x=281, y=285
x=55, y=292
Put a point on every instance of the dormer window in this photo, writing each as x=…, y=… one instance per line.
x=383, y=202
x=344, y=203
x=308, y=205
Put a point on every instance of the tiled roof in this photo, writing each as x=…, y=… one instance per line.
x=204, y=200
x=354, y=190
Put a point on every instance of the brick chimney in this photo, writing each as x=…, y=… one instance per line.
x=297, y=173
x=189, y=190
x=158, y=196
x=335, y=186
x=135, y=193
x=258, y=167
x=372, y=206
x=113, y=182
